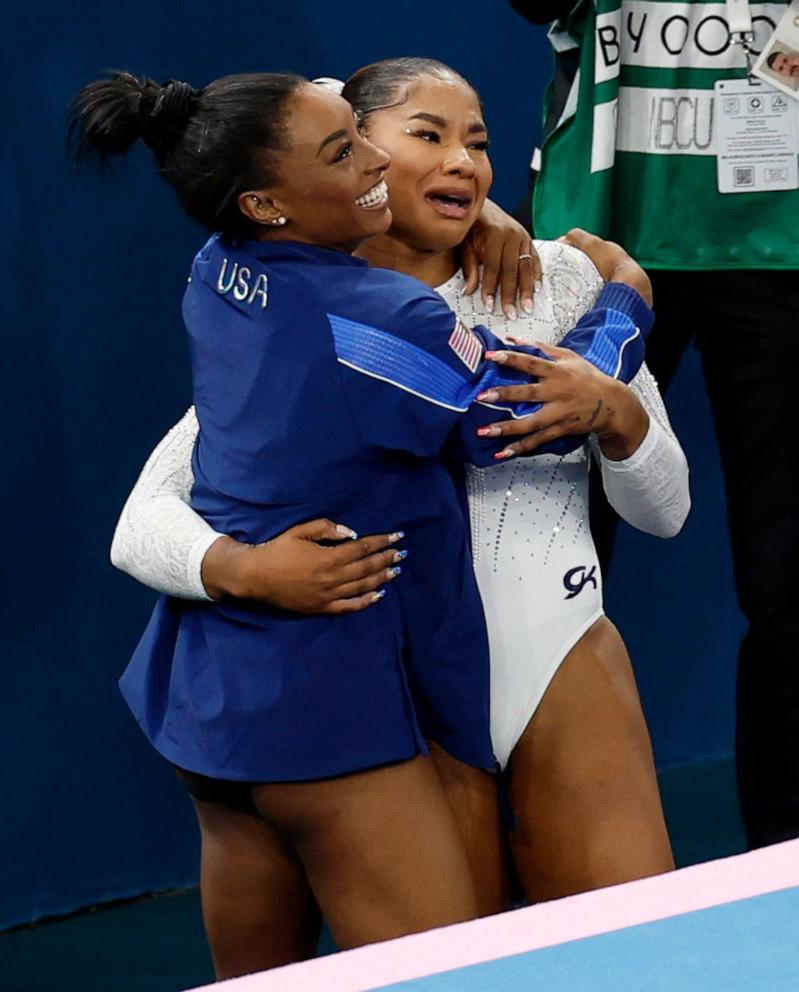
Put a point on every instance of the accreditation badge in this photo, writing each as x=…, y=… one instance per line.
x=757, y=137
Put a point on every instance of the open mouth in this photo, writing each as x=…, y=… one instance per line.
x=455, y=203
x=375, y=198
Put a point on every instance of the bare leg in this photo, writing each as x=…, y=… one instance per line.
x=258, y=908
x=583, y=782
x=381, y=849
x=472, y=796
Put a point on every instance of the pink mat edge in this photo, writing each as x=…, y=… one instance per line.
x=698, y=887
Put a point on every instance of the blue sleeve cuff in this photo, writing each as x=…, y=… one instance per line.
x=619, y=296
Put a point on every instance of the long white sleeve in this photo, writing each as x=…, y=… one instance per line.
x=159, y=540
x=650, y=488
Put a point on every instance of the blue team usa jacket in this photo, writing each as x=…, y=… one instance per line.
x=326, y=388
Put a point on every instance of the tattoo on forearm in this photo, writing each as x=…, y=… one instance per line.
x=595, y=414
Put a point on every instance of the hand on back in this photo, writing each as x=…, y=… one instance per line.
x=295, y=572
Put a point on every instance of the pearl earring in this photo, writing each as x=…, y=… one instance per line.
x=280, y=221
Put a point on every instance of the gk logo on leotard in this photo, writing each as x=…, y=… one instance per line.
x=576, y=579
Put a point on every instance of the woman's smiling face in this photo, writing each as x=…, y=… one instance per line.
x=440, y=171
x=330, y=177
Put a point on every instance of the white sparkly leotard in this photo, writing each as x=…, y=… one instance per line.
x=533, y=553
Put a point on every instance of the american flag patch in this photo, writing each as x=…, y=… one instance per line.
x=466, y=345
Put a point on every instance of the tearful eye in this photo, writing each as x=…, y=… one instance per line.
x=432, y=136
x=344, y=152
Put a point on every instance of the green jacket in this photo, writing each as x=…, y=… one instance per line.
x=628, y=149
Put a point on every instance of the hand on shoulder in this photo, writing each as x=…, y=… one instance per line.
x=613, y=263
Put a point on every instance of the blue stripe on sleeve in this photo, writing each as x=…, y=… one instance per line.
x=615, y=347
x=607, y=348
x=624, y=299
x=400, y=363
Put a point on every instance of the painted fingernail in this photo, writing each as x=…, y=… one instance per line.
x=497, y=356
x=489, y=303
x=396, y=536
x=510, y=312
x=342, y=531
x=488, y=396
x=505, y=453
x=491, y=431
x=399, y=556
x=537, y=286
x=378, y=595
x=393, y=572
x=527, y=303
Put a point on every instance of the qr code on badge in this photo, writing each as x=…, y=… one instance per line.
x=743, y=175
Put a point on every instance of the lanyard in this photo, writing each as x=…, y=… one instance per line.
x=739, y=20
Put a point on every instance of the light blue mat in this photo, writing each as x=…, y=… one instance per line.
x=747, y=946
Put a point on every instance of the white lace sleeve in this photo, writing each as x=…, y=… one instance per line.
x=570, y=287
x=159, y=539
x=650, y=488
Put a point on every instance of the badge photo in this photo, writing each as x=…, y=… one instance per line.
x=778, y=63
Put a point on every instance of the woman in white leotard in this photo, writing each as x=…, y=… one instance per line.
x=566, y=719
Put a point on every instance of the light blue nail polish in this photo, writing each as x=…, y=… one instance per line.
x=400, y=556
x=378, y=595
x=394, y=571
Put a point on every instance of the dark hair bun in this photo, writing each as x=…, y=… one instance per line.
x=210, y=145
x=109, y=115
x=169, y=114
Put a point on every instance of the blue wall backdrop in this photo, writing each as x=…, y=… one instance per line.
x=92, y=272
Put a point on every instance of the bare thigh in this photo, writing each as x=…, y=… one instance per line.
x=583, y=783
x=258, y=907
x=381, y=849
x=472, y=796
